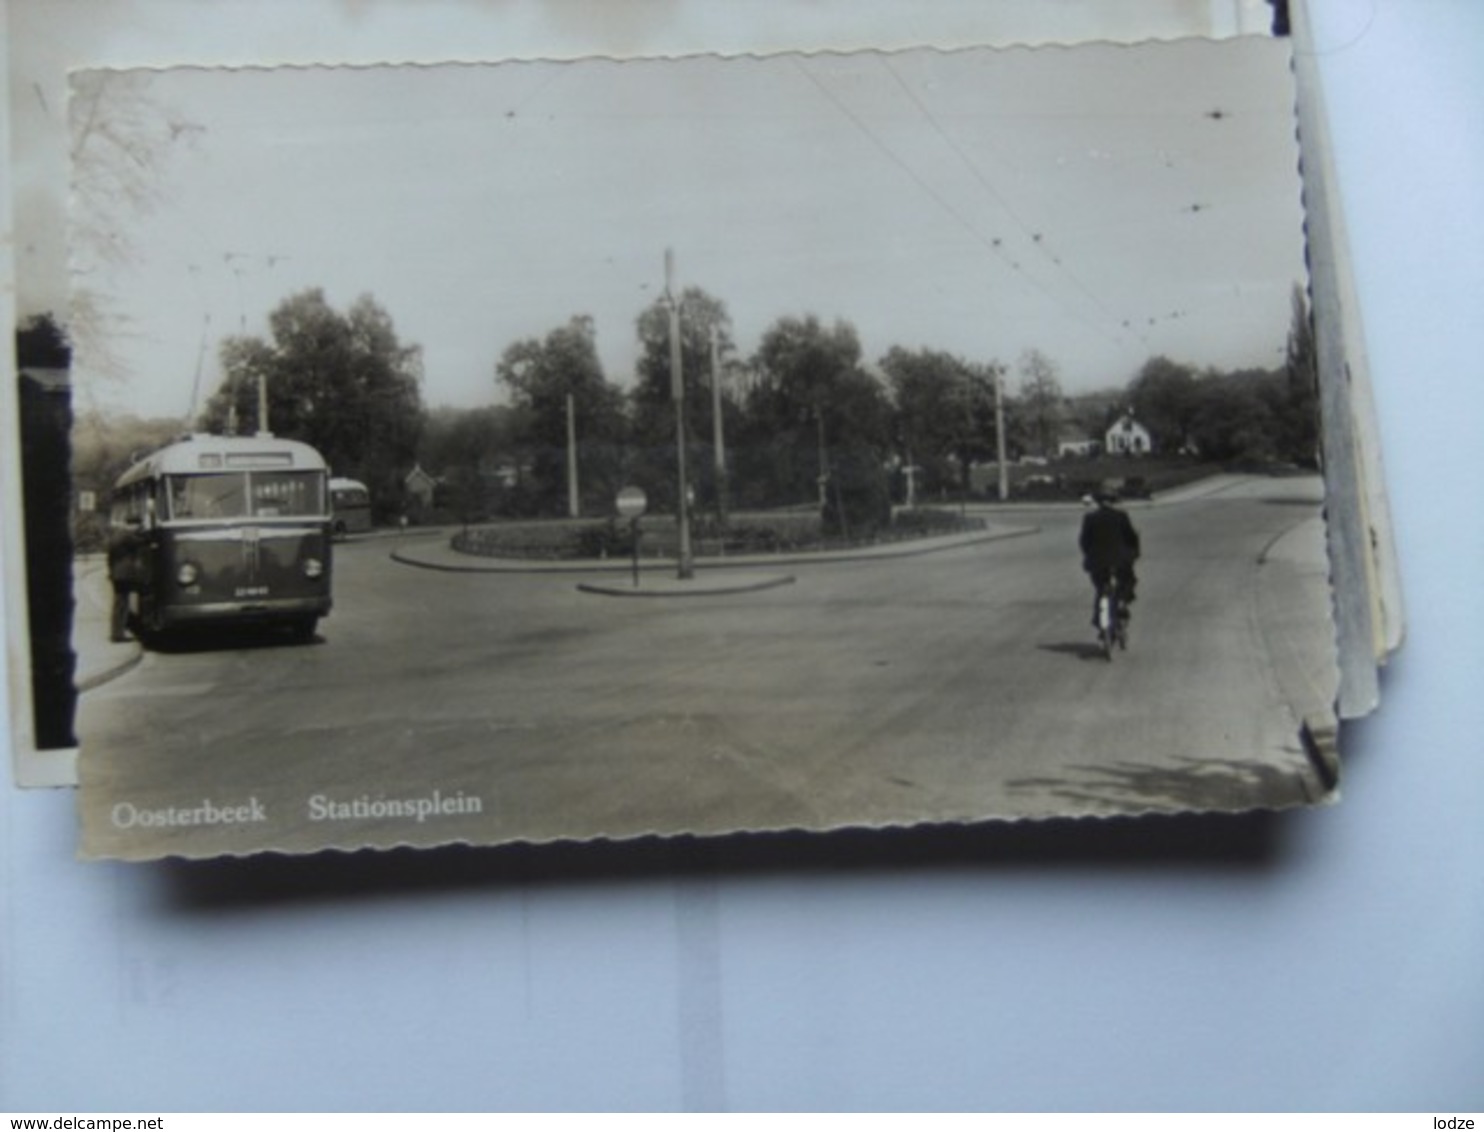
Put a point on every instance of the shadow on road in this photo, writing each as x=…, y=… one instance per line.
x=239, y=639
x=1189, y=783
x=1082, y=650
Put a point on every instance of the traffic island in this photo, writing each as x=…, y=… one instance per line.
x=704, y=584
x=431, y=552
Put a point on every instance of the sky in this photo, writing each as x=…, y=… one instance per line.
x=1100, y=203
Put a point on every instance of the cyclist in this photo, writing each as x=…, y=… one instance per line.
x=1110, y=547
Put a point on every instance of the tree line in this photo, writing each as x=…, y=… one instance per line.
x=806, y=419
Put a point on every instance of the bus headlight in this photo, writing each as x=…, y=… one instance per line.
x=313, y=567
x=187, y=574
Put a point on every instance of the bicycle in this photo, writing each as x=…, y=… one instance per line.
x=1112, y=618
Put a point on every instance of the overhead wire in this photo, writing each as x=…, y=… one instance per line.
x=1037, y=238
x=991, y=244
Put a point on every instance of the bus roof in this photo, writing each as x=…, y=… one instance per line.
x=203, y=453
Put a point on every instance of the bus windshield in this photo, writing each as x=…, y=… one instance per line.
x=247, y=495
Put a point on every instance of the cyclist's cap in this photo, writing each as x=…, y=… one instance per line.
x=1105, y=497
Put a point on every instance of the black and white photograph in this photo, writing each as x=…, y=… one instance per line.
x=552, y=451
x=432, y=825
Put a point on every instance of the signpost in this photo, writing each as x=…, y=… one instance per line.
x=631, y=505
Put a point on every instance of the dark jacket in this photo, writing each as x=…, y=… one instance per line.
x=125, y=569
x=1108, y=539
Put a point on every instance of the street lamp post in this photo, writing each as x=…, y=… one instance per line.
x=574, y=496
x=719, y=443
x=967, y=471
x=263, y=429
x=999, y=432
x=686, y=568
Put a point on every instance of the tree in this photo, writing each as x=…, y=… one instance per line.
x=927, y=389
x=858, y=433
x=122, y=138
x=469, y=450
x=816, y=415
x=1041, y=402
x=1299, y=439
x=701, y=315
x=540, y=375
x=1090, y=414
x=343, y=383
x=944, y=413
x=1236, y=416
x=1163, y=397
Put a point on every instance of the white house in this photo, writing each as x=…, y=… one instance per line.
x=1127, y=437
x=420, y=486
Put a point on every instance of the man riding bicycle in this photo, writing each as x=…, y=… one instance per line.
x=1110, y=547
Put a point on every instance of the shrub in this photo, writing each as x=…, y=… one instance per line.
x=858, y=499
x=610, y=539
x=923, y=522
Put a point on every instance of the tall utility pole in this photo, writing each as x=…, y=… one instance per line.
x=716, y=428
x=685, y=568
x=263, y=403
x=574, y=507
x=999, y=432
x=966, y=483
x=200, y=361
x=232, y=422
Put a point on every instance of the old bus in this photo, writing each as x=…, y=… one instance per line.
x=215, y=529
x=350, y=507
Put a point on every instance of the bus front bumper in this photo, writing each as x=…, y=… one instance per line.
x=245, y=612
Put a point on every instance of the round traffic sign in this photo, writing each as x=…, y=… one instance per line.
x=631, y=502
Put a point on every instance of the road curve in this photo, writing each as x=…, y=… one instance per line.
x=949, y=687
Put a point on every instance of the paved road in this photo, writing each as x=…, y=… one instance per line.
x=953, y=686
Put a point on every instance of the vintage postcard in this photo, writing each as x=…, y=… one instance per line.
x=562, y=451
